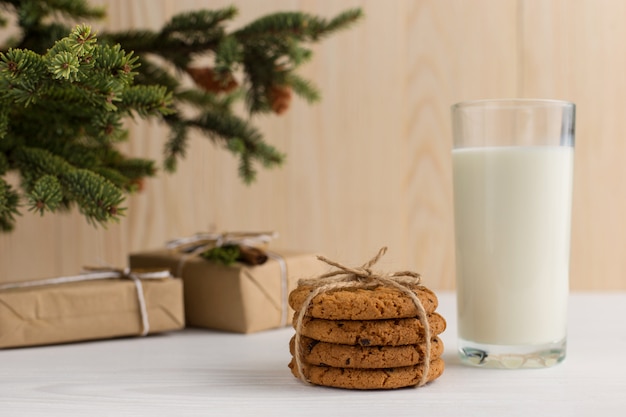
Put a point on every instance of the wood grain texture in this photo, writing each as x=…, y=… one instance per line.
x=452, y=57
x=576, y=51
x=370, y=165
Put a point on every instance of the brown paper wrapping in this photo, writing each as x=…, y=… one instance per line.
x=238, y=298
x=88, y=310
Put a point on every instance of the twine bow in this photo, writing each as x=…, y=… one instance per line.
x=363, y=277
x=199, y=243
x=98, y=273
x=206, y=241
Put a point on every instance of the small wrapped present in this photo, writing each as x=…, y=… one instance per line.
x=94, y=305
x=244, y=297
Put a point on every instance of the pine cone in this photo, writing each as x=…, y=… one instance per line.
x=138, y=184
x=211, y=81
x=280, y=98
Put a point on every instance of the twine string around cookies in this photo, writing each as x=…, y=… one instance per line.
x=363, y=277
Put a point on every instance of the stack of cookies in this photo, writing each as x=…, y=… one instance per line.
x=366, y=338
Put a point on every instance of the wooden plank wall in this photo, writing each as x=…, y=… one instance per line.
x=370, y=165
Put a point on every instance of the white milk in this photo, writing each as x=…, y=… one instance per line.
x=512, y=213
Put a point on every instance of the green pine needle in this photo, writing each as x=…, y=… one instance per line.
x=9, y=200
x=98, y=199
x=176, y=145
x=225, y=255
x=146, y=100
x=300, y=26
x=33, y=12
x=198, y=22
x=83, y=40
x=228, y=53
x=64, y=65
x=46, y=195
x=303, y=88
x=242, y=139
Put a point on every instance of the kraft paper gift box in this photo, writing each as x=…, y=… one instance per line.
x=88, y=310
x=237, y=298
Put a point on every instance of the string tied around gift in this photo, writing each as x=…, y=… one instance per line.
x=99, y=273
x=199, y=243
x=363, y=277
x=192, y=246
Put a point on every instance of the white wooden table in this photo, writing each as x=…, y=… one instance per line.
x=205, y=373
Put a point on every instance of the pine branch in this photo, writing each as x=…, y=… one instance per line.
x=176, y=146
x=34, y=163
x=268, y=50
x=228, y=54
x=199, y=25
x=242, y=139
x=304, y=88
x=203, y=101
x=127, y=174
x=223, y=127
x=4, y=120
x=135, y=168
x=9, y=200
x=4, y=164
x=300, y=26
x=123, y=172
x=46, y=195
x=184, y=36
x=98, y=199
x=32, y=12
x=153, y=74
x=342, y=21
x=21, y=72
x=83, y=89
x=114, y=176
x=146, y=100
x=225, y=255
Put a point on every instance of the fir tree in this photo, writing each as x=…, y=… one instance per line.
x=63, y=98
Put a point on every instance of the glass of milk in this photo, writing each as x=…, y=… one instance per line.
x=513, y=166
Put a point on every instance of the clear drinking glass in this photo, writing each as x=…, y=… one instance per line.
x=513, y=166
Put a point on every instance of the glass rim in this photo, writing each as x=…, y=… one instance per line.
x=501, y=103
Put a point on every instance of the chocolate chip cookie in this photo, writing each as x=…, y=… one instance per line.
x=368, y=379
x=389, y=332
